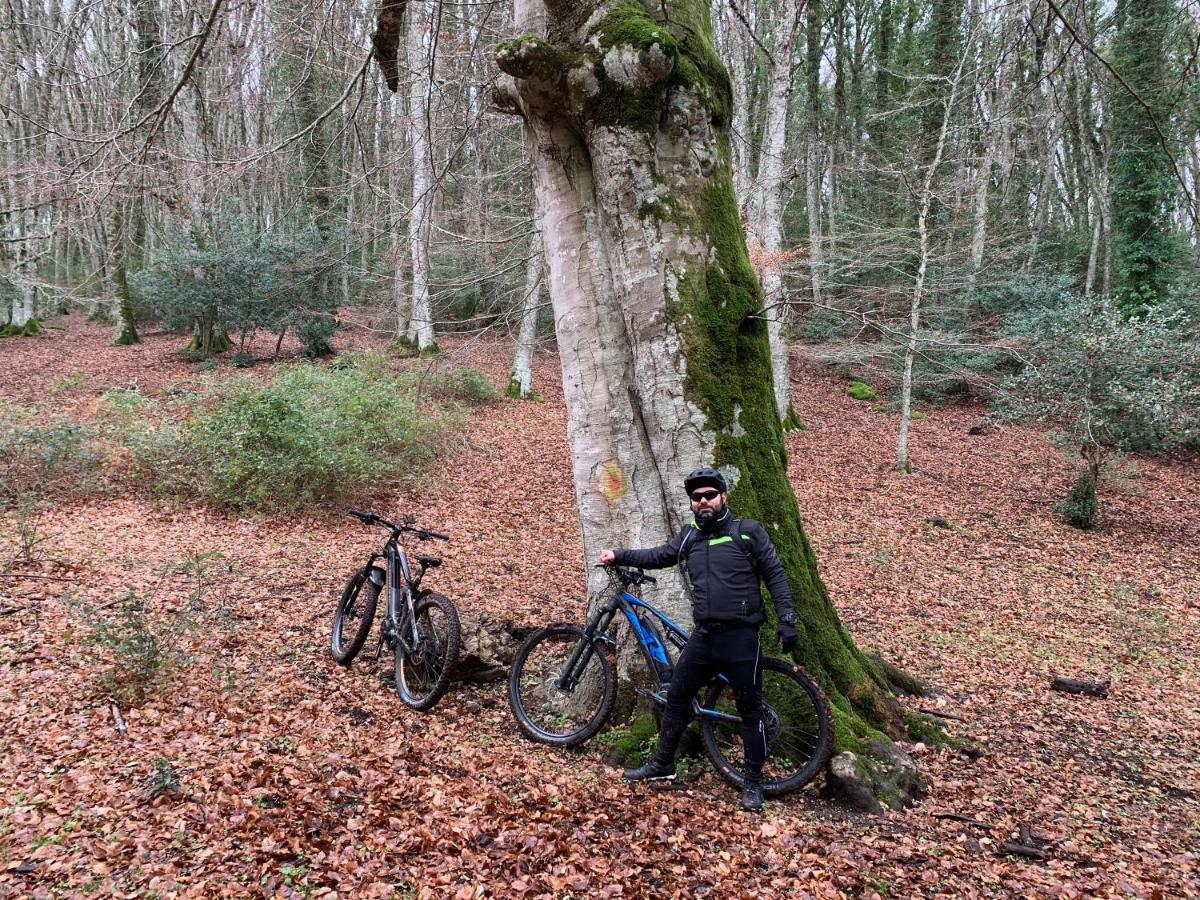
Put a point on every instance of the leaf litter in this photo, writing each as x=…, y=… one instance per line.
x=259, y=766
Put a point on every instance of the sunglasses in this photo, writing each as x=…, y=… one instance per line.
x=705, y=495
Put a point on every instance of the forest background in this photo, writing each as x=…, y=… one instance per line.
x=945, y=203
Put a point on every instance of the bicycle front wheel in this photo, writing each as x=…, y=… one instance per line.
x=549, y=711
x=798, y=725
x=355, y=613
x=424, y=667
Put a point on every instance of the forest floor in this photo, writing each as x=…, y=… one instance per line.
x=262, y=767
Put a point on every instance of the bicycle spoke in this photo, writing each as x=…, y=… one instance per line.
x=547, y=710
x=796, y=722
x=424, y=662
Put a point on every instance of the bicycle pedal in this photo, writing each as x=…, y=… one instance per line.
x=659, y=696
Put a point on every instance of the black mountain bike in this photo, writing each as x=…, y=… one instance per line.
x=562, y=686
x=420, y=626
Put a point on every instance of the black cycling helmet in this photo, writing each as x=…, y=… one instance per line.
x=705, y=477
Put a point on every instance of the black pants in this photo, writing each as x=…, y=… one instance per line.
x=735, y=653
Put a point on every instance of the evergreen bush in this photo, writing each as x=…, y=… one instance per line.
x=45, y=455
x=240, y=279
x=312, y=437
x=1109, y=382
x=465, y=383
x=1080, y=506
x=859, y=391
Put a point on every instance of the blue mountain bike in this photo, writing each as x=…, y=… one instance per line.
x=563, y=683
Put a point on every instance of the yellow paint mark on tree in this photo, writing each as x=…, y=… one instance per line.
x=611, y=480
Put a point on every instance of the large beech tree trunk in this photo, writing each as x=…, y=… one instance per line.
x=664, y=350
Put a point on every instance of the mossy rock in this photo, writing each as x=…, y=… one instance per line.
x=882, y=776
x=859, y=390
x=632, y=743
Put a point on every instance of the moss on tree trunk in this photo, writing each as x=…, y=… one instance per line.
x=209, y=338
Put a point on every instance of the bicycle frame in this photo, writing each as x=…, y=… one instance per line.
x=652, y=648
x=401, y=587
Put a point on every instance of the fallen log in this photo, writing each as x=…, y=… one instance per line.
x=1078, y=686
x=959, y=817
x=1021, y=850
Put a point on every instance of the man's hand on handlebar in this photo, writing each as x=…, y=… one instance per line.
x=607, y=557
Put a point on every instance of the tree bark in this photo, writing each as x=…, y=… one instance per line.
x=812, y=151
x=665, y=356
x=420, y=117
x=773, y=180
x=520, y=385
x=925, y=201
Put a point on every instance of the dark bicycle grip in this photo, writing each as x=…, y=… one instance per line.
x=359, y=514
x=439, y=535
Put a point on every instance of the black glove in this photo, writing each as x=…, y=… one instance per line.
x=787, y=634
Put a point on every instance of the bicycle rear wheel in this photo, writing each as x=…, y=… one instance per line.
x=545, y=710
x=798, y=724
x=355, y=613
x=423, y=671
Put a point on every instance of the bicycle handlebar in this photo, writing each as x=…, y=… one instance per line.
x=628, y=576
x=370, y=518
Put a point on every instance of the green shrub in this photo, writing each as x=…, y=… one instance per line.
x=822, y=325
x=860, y=391
x=312, y=437
x=404, y=347
x=947, y=369
x=465, y=384
x=45, y=455
x=316, y=335
x=242, y=278
x=140, y=655
x=194, y=354
x=1080, y=506
x=471, y=384
x=1022, y=294
x=1107, y=381
x=242, y=360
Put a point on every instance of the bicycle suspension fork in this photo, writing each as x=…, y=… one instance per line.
x=595, y=629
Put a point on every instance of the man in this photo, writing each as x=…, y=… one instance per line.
x=725, y=558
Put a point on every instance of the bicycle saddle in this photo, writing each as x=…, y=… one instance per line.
x=430, y=562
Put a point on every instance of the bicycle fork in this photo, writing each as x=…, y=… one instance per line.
x=577, y=663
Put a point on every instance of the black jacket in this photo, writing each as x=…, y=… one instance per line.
x=724, y=576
